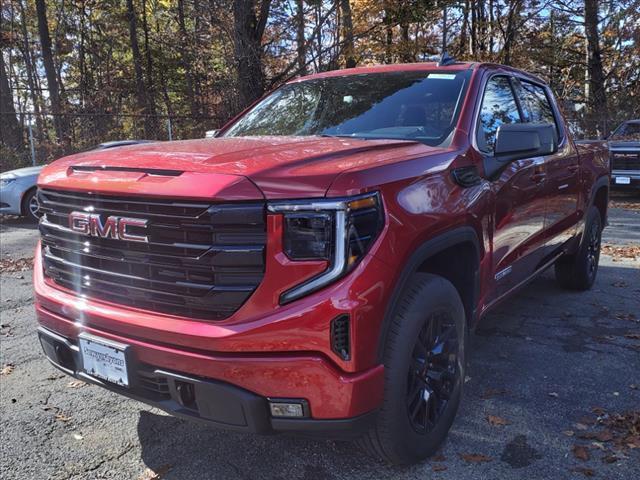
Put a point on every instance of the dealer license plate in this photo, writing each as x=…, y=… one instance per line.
x=623, y=180
x=104, y=359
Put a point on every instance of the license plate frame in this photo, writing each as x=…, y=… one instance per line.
x=623, y=180
x=104, y=359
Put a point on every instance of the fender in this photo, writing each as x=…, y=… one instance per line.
x=427, y=250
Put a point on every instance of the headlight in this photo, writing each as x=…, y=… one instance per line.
x=4, y=182
x=340, y=231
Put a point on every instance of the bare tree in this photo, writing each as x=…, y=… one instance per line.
x=300, y=38
x=248, y=30
x=10, y=133
x=59, y=121
x=595, y=82
x=347, y=33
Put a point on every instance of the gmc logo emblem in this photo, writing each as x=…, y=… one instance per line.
x=113, y=227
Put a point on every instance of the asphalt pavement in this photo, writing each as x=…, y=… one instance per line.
x=553, y=386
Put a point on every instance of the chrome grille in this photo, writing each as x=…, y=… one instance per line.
x=202, y=260
x=625, y=161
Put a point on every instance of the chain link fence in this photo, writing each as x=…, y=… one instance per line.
x=47, y=137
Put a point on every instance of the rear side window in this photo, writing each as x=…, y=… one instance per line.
x=535, y=104
x=499, y=107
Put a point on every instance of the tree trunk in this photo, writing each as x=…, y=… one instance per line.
x=347, y=34
x=141, y=95
x=511, y=31
x=463, y=47
x=29, y=63
x=186, y=61
x=10, y=133
x=300, y=40
x=59, y=120
x=388, y=27
x=248, y=31
x=596, y=98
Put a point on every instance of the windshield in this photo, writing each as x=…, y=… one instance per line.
x=627, y=131
x=420, y=106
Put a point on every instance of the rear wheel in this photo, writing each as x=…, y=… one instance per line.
x=578, y=271
x=30, y=206
x=424, y=362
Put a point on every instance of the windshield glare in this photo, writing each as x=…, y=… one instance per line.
x=419, y=106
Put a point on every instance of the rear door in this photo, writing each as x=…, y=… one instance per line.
x=562, y=176
x=519, y=192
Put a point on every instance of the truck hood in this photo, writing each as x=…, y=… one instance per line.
x=226, y=168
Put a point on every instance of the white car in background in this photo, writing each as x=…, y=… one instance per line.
x=18, y=187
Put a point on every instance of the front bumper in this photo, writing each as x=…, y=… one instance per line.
x=214, y=402
x=625, y=179
x=10, y=198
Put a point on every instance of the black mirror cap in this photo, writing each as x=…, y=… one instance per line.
x=521, y=140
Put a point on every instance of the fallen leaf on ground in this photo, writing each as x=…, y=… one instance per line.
x=493, y=392
x=497, y=421
x=156, y=474
x=475, y=458
x=581, y=452
x=10, y=265
x=632, y=336
x=620, y=284
x=569, y=433
x=610, y=459
x=587, y=472
x=7, y=369
x=62, y=417
x=633, y=386
x=620, y=252
x=438, y=458
x=76, y=384
x=438, y=468
x=553, y=394
x=77, y=436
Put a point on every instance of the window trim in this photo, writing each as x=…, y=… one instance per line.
x=478, y=122
x=473, y=133
x=549, y=102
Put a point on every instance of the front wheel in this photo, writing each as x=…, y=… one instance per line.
x=30, y=206
x=578, y=271
x=424, y=360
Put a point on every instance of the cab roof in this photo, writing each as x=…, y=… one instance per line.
x=417, y=67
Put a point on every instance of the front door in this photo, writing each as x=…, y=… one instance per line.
x=520, y=204
x=562, y=180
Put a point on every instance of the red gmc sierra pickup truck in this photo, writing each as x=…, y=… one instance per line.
x=318, y=265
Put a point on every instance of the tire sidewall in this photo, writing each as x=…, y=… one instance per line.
x=25, y=206
x=429, y=294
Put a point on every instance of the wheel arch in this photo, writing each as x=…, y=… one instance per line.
x=453, y=255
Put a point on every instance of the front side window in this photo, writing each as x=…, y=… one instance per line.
x=499, y=107
x=420, y=106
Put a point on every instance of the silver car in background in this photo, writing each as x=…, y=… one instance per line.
x=18, y=187
x=18, y=192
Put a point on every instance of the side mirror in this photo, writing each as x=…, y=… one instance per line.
x=521, y=140
x=211, y=133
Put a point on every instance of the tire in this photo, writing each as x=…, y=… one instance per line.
x=398, y=436
x=30, y=207
x=578, y=271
